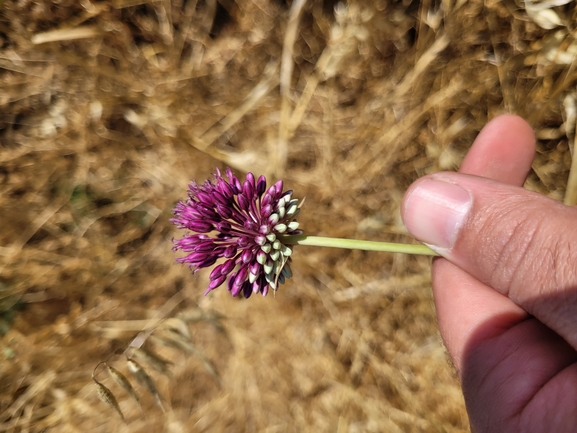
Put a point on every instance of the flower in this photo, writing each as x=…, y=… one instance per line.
x=242, y=223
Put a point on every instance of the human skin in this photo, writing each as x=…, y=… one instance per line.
x=506, y=288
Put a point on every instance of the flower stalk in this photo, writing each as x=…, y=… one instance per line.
x=250, y=229
x=354, y=244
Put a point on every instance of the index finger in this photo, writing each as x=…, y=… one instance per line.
x=502, y=151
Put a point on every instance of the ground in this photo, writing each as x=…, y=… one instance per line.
x=109, y=108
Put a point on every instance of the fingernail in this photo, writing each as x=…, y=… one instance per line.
x=435, y=211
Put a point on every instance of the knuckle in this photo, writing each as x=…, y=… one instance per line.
x=533, y=253
x=517, y=242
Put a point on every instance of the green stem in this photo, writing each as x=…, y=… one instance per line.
x=353, y=244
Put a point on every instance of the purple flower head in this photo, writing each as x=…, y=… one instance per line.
x=242, y=224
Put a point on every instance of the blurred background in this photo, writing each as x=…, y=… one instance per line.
x=109, y=108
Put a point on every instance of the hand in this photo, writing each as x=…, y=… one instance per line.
x=506, y=289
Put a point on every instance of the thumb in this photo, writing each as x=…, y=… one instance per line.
x=522, y=244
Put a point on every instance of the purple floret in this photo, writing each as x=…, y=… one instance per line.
x=242, y=223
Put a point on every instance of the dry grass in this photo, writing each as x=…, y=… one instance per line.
x=108, y=108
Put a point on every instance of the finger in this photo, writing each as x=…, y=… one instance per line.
x=503, y=151
x=520, y=243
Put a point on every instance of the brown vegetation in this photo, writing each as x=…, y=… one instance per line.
x=107, y=110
